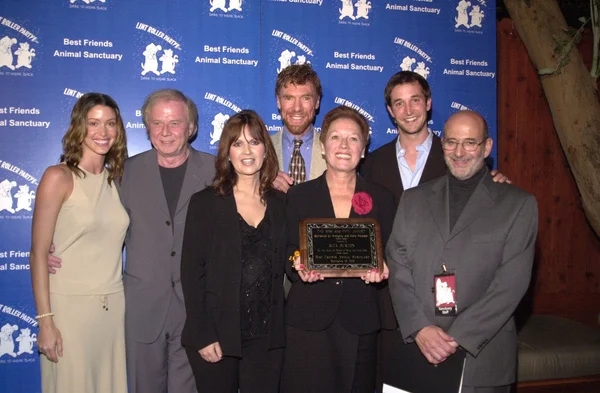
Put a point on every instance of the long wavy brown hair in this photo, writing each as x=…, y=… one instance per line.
x=114, y=160
x=225, y=177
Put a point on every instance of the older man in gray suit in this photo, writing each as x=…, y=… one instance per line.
x=478, y=238
x=155, y=191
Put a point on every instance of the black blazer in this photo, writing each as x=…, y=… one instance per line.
x=314, y=306
x=211, y=269
x=381, y=167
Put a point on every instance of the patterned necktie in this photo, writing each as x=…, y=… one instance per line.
x=297, y=170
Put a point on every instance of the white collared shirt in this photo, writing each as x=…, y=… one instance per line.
x=409, y=178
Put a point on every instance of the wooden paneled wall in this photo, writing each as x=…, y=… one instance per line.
x=567, y=270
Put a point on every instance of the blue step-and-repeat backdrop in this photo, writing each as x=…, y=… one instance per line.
x=225, y=55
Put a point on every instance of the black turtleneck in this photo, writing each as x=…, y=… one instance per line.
x=460, y=192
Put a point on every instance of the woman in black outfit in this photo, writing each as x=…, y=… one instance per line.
x=332, y=324
x=232, y=266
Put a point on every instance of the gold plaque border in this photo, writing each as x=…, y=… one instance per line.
x=346, y=272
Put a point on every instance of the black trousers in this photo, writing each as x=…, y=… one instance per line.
x=258, y=371
x=332, y=360
x=389, y=344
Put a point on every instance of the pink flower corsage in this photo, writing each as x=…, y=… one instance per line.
x=362, y=203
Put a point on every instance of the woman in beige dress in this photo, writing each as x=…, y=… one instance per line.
x=81, y=308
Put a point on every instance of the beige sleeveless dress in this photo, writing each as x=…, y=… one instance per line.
x=86, y=293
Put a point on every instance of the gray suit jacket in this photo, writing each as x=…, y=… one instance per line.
x=490, y=249
x=153, y=242
x=317, y=162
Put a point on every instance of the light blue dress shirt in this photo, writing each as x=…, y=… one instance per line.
x=287, y=145
x=409, y=178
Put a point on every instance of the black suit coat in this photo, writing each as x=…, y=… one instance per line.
x=314, y=306
x=211, y=271
x=381, y=167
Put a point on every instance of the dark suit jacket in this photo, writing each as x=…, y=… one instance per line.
x=314, y=306
x=211, y=271
x=381, y=167
x=153, y=241
x=490, y=249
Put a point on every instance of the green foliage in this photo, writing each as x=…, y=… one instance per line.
x=571, y=9
x=562, y=47
x=546, y=71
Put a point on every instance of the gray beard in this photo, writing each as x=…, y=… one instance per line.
x=474, y=169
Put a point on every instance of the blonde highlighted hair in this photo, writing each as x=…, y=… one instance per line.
x=166, y=95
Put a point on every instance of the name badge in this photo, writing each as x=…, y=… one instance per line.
x=445, y=294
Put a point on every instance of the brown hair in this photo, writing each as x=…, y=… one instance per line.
x=402, y=78
x=171, y=95
x=298, y=74
x=344, y=112
x=226, y=177
x=72, y=141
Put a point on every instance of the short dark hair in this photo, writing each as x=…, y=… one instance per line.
x=298, y=74
x=486, y=130
x=171, y=95
x=226, y=177
x=344, y=112
x=404, y=77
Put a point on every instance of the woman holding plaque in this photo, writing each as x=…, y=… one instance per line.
x=332, y=323
x=232, y=266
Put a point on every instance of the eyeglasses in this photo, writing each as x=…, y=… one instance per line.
x=468, y=145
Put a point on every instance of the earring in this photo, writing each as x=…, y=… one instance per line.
x=228, y=159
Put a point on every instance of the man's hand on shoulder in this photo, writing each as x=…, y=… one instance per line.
x=283, y=182
x=53, y=262
x=499, y=177
x=435, y=344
